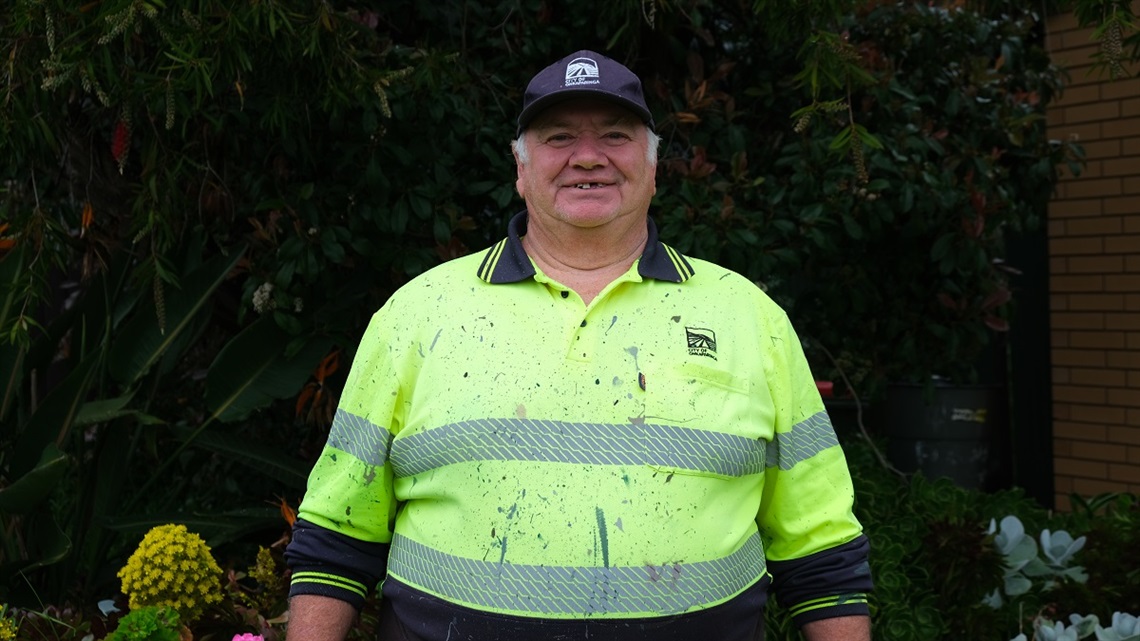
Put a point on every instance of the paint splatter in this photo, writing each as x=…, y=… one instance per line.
x=601, y=515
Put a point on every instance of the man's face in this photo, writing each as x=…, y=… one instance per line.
x=587, y=165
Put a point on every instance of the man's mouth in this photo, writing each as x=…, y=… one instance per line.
x=588, y=185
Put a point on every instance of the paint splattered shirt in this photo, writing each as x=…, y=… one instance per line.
x=503, y=448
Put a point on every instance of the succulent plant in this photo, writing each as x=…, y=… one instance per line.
x=172, y=567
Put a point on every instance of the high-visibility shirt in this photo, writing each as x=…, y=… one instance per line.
x=517, y=452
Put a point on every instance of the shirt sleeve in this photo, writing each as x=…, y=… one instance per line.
x=340, y=540
x=817, y=553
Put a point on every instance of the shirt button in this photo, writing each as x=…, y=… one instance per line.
x=565, y=294
x=583, y=323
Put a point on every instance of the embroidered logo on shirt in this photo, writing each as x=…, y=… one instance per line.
x=582, y=71
x=702, y=341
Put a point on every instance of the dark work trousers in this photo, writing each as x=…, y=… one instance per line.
x=391, y=629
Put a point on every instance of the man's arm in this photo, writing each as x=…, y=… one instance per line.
x=855, y=628
x=319, y=618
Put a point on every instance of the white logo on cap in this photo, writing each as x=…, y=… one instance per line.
x=582, y=71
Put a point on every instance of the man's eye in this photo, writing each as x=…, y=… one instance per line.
x=617, y=136
x=558, y=138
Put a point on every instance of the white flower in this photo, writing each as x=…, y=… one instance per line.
x=263, y=298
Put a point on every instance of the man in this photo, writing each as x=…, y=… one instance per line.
x=580, y=433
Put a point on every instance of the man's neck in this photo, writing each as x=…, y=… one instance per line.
x=585, y=260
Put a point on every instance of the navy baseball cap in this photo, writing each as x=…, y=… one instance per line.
x=583, y=74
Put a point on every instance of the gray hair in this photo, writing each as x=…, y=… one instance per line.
x=652, y=143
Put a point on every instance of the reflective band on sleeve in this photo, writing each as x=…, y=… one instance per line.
x=806, y=439
x=828, y=602
x=576, y=591
x=577, y=443
x=359, y=437
x=329, y=579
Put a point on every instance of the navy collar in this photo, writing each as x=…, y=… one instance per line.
x=507, y=261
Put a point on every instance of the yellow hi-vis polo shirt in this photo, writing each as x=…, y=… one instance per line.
x=529, y=455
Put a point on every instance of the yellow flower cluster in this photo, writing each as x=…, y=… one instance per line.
x=7, y=629
x=172, y=567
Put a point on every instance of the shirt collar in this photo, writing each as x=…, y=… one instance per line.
x=507, y=261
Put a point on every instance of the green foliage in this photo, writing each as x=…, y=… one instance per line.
x=150, y=623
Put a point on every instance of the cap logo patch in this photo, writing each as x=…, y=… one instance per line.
x=582, y=71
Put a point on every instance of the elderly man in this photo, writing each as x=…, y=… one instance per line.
x=580, y=433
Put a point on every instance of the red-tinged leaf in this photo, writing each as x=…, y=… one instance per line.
x=997, y=299
x=120, y=141
x=947, y=302
x=303, y=398
x=997, y=324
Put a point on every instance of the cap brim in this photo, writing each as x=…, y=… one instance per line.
x=533, y=109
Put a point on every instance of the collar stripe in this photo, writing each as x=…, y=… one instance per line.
x=684, y=269
x=487, y=267
x=507, y=261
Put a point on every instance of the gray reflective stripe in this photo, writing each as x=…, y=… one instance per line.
x=359, y=437
x=806, y=439
x=577, y=443
x=589, y=590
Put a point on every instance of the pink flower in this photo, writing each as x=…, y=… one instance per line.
x=248, y=637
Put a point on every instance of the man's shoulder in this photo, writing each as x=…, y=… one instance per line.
x=722, y=281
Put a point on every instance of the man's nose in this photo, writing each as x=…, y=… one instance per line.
x=588, y=152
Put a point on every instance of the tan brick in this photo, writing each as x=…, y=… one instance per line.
x=1080, y=431
x=1120, y=88
x=1122, y=282
x=1058, y=302
x=1077, y=208
x=1132, y=264
x=1128, y=206
x=1122, y=359
x=1064, y=22
x=1124, y=321
x=1084, y=283
x=1103, y=149
x=1133, y=454
x=1055, y=228
x=1079, y=357
x=1062, y=411
x=1126, y=435
x=1132, y=340
x=1097, y=340
x=1082, y=133
x=1124, y=397
x=1133, y=417
x=1100, y=415
x=1098, y=112
x=1095, y=302
x=1079, y=395
x=1122, y=128
x=1094, y=168
x=1096, y=264
x=1124, y=244
x=1058, y=339
x=1099, y=226
x=1103, y=452
x=1063, y=447
x=1058, y=265
x=1123, y=166
x=1097, y=376
x=1132, y=224
x=1079, y=468
x=1134, y=380
x=1072, y=246
x=1129, y=185
x=1061, y=501
x=1130, y=147
x=1086, y=187
x=1078, y=96
x=1132, y=302
x=1091, y=487
x=1062, y=375
x=1077, y=320
x=1130, y=107
x=1124, y=472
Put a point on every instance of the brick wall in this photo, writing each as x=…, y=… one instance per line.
x=1094, y=249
